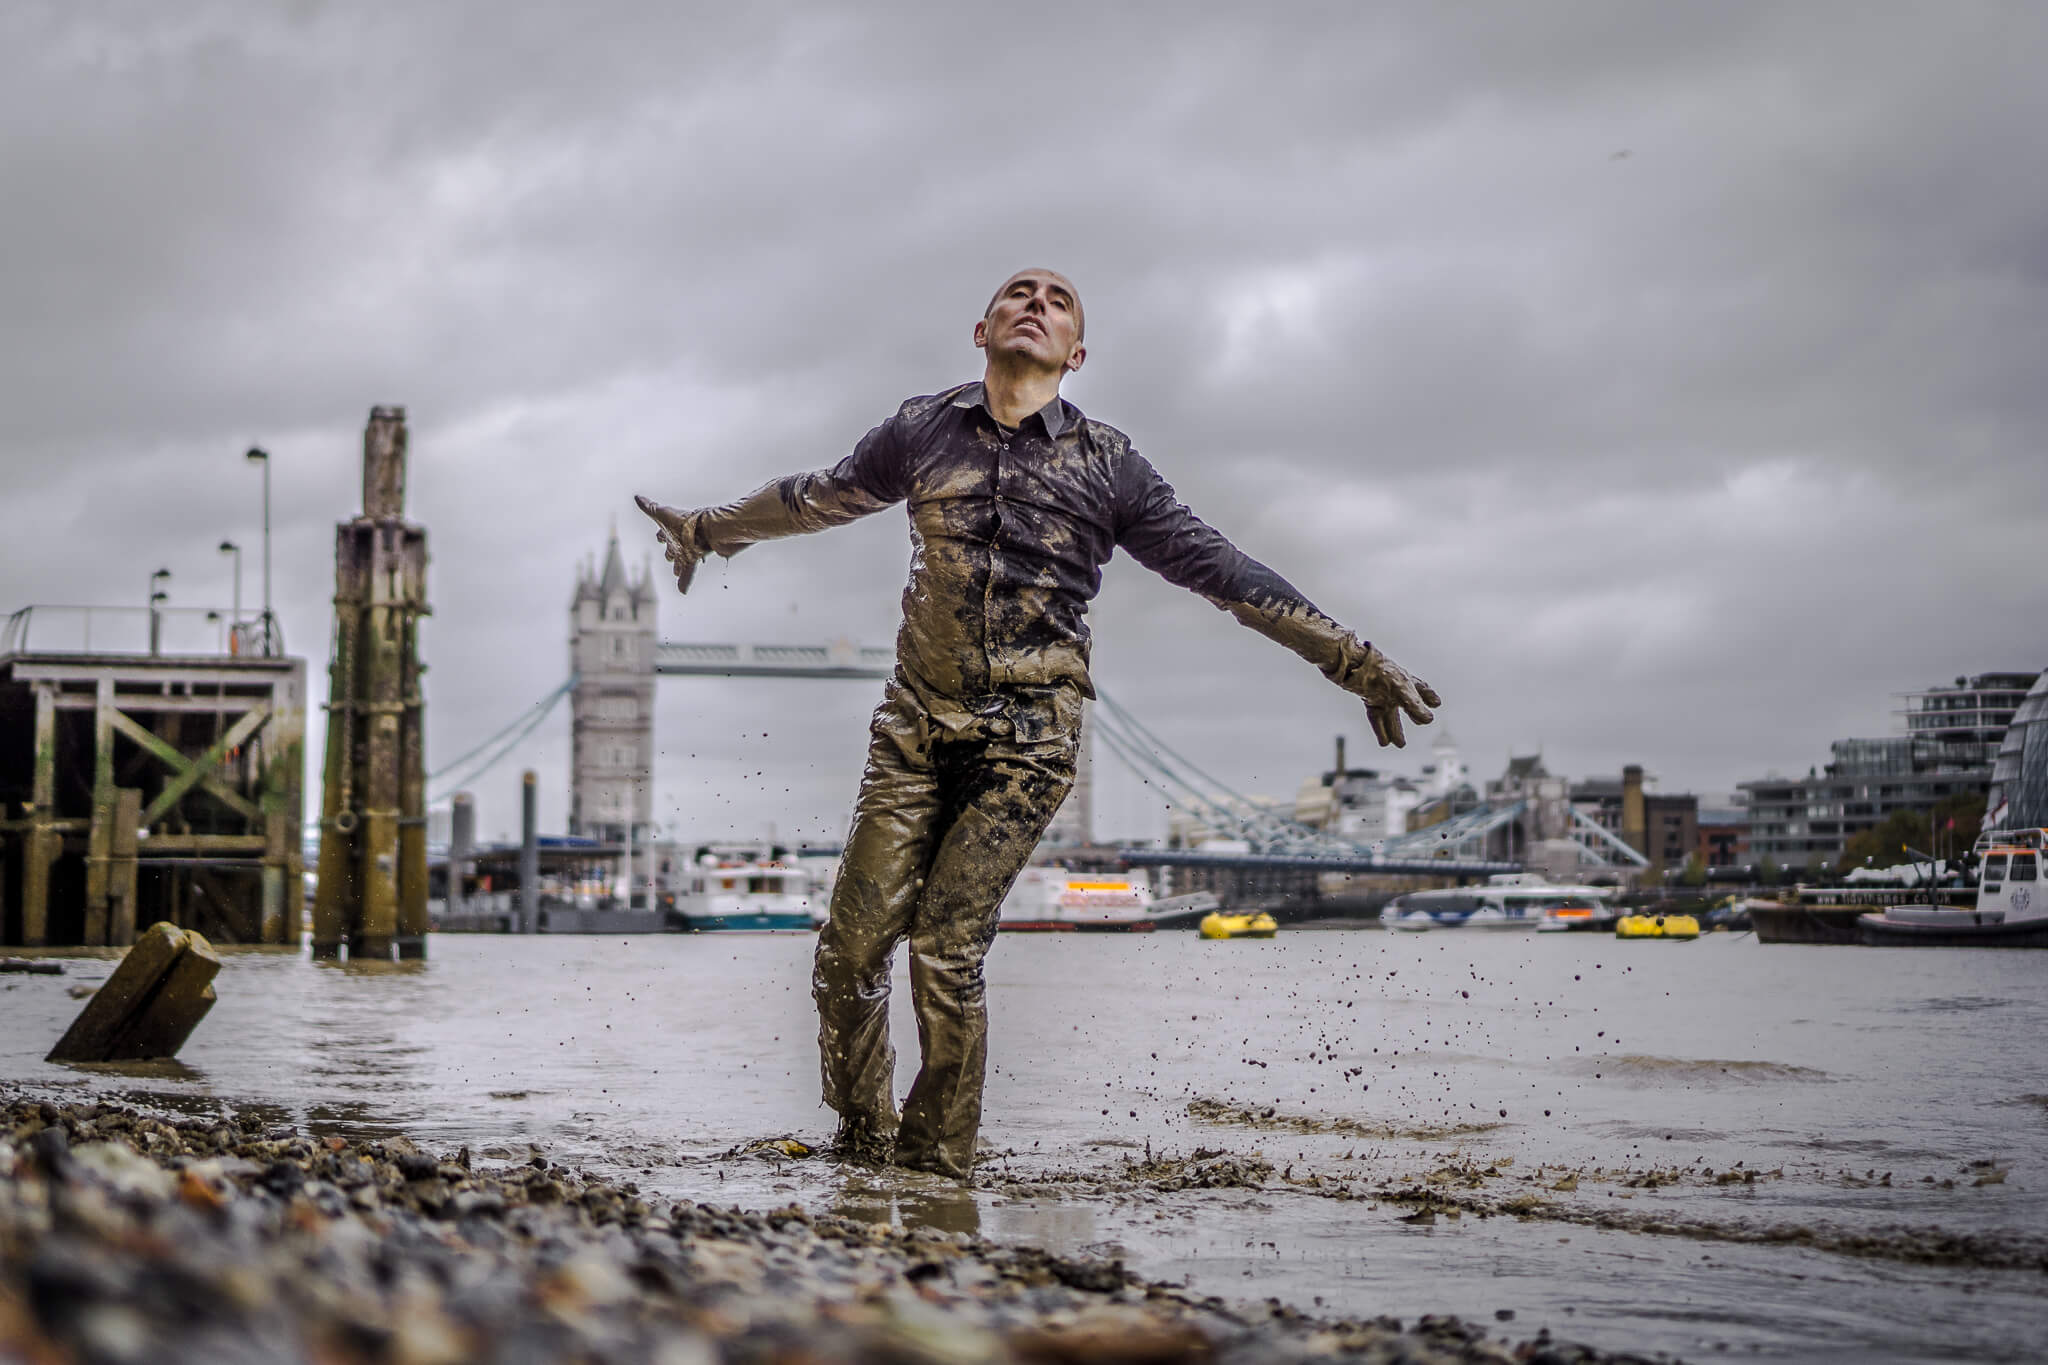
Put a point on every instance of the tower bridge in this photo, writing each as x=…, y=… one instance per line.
x=616, y=654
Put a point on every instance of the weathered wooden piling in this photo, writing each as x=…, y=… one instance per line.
x=150, y=1005
x=372, y=889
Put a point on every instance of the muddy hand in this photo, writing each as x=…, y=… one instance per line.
x=680, y=538
x=1389, y=690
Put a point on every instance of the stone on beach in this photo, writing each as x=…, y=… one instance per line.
x=127, y=1238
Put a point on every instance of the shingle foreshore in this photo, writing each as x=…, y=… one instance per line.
x=126, y=1237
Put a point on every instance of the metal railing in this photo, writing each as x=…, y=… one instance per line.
x=71, y=628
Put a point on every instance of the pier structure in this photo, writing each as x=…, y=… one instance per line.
x=371, y=897
x=158, y=783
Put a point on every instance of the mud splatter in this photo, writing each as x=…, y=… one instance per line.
x=1272, y=1120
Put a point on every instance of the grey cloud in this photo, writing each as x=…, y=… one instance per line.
x=1383, y=273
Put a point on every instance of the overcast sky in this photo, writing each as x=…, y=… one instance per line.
x=1664, y=383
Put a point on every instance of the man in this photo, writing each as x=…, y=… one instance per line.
x=1016, y=500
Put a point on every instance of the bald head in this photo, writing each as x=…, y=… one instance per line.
x=1052, y=279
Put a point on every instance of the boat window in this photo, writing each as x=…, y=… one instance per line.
x=771, y=885
x=2022, y=867
x=1994, y=867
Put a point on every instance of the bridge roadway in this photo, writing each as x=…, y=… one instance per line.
x=1314, y=862
x=840, y=659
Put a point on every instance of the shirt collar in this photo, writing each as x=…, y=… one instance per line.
x=1055, y=416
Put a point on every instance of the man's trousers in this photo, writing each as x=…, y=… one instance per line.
x=953, y=800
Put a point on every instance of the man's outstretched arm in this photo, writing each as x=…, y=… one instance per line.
x=1159, y=531
x=864, y=482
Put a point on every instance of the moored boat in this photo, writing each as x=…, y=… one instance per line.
x=1514, y=900
x=2010, y=911
x=758, y=895
x=1053, y=899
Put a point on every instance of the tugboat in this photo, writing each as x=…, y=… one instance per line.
x=2011, y=911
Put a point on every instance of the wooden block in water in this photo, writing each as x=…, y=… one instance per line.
x=150, y=1005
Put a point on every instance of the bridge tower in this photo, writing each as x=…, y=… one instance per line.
x=611, y=711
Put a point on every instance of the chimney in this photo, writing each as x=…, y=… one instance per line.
x=1339, y=777
x=1635, y=824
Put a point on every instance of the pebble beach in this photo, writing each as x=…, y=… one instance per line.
x=128, y=1238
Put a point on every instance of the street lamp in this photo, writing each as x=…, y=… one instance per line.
x=213, y=619
x=228, y=547
x=271, y=643
x=156, y=595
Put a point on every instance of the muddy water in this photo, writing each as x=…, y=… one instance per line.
x=1780, y=1152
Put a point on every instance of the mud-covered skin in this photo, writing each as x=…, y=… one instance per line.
x=1010, y=530
x=952, y=802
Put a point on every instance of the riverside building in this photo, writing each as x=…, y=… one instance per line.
x=1952, y=734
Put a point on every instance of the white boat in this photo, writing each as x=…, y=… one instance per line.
x=1054, y=899
x=1509, y=900
x=2011, y=909
x=751, y=893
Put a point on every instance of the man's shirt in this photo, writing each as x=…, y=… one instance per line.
x=1010, y=530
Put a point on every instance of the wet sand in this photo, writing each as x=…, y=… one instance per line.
x=124, y=1238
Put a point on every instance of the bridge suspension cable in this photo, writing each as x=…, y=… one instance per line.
x=496, y=747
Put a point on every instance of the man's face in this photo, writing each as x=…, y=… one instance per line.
x=1035, y=317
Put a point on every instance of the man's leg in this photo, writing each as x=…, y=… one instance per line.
x=1000, y=798
x=887, y=849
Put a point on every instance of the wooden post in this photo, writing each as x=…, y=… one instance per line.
x=100, y=840
x=373, y=851
x=412, y=780
x=151, y=1003
x=334, y=892
x=41, y=847
x=121, y=867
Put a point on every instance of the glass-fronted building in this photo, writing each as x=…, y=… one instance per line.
x=2019, y=775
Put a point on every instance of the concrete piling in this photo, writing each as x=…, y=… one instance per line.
x=150, y=1005
x=461, y=844
x=529, y=853
x=372, y=891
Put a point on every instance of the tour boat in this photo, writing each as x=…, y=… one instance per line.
x=2010, y=912
x=751, y=894
x=1052, y=899
x=1512, y=900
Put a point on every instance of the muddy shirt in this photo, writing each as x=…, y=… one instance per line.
x=1010, y=530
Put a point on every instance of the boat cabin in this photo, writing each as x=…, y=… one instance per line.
x=2010, y=870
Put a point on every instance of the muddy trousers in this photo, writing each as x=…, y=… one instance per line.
x=947, y=816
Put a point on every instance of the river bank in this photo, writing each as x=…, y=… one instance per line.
x=128, y=1237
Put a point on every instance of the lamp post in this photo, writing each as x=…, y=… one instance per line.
x=270, y=641
x=228, y=547
x=156, y=595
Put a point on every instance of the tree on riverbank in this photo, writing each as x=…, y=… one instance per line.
x=1952, y=823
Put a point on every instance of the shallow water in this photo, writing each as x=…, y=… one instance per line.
x=1484, y=1067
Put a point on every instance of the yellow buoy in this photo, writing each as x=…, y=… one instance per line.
x=1657, y=926
x=1219, y=925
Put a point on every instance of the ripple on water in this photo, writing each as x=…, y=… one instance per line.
x=1952, y=1004
x=1708, y=1070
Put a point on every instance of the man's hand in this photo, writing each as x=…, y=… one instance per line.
x=1388, y=690
x=681, y=538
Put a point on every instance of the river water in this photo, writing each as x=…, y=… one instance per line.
x=1891, y=1103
